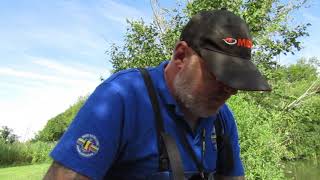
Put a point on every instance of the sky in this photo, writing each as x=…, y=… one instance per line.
x=53, y=52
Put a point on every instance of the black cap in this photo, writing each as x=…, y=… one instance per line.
x=223, y=40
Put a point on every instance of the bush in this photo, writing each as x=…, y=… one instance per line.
x=269, y=131
x=24, y=153
x=261, y=148
x=13, y=154
x=39, y=151
x=56, y=126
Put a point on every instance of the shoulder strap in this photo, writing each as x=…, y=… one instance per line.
x=224, y=146
x=182, y=134
x=170, y=144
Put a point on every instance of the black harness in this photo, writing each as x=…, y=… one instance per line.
x=169, y=157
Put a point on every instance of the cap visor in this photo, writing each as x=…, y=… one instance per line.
x=235, y=72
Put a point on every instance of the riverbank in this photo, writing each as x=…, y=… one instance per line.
x=304, y=169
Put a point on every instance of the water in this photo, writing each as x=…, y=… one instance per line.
x=303, y=170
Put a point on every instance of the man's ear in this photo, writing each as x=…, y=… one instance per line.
x=180, y=53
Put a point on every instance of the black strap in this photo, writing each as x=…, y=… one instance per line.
x=223, y=143
x=174, y=157
x=186, y=144
x=223, y=139
x=170, y=145
x=224, y=151
x=156, y=109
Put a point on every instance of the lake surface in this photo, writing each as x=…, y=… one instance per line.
x=303, y=170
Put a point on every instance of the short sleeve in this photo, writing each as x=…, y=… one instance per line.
x=231, y=130
x=90, y=144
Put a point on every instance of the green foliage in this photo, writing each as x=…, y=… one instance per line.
x=6, y=134
x=11, y=154
x=56, y=126
x=269, y=132
x=141, y=48
x=268, y=21
x=273, y=32
x=24, y=153
x=282, y=125
x=39, y=151
x=261, y=148
x=303, y=70
x=273, y=126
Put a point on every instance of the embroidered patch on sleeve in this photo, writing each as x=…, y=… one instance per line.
x=87, y=145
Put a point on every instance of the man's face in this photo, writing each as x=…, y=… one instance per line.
x=198, y=90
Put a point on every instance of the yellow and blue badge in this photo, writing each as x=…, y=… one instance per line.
x=87, y=145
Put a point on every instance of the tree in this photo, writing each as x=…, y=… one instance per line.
x=57, y=125
x=273, y=32
x=273, y=134
x=304, y=70
x=7, y=135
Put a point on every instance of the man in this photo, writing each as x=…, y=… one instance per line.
x=114, y=135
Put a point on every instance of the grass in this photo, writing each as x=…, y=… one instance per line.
x=30, y=172
x=24, y=153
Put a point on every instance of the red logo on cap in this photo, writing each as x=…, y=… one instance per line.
x=245, y=43
x=241, y=42
x=230, y=41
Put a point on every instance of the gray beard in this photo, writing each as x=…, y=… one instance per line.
x=184, y=95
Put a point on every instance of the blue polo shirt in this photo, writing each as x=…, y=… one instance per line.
x=114, y=136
